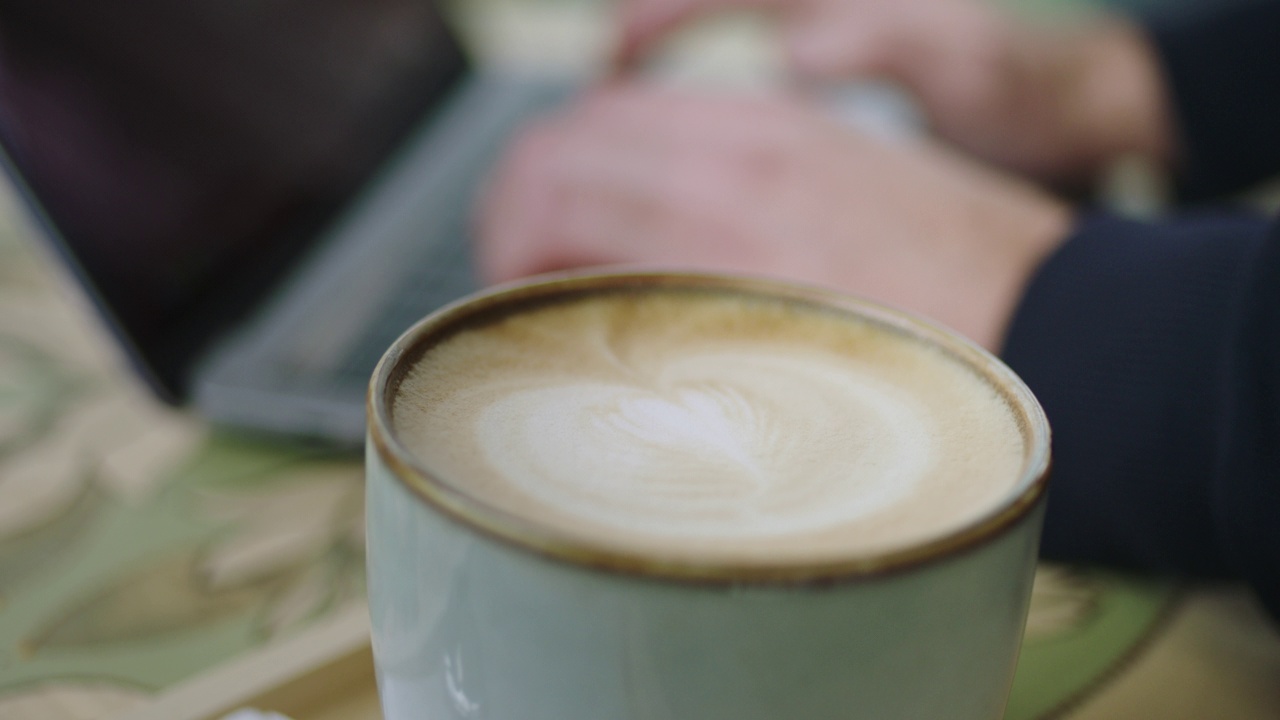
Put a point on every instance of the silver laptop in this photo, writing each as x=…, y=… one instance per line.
x=259, y=197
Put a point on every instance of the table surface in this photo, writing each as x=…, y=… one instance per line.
x=139, y=549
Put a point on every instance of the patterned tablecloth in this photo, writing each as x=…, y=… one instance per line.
x=139, y=548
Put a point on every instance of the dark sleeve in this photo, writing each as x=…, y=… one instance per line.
x=1155, y=350
x=1222, y=65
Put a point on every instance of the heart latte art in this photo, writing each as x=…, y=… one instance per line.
x=716, y=443
x=712, y=426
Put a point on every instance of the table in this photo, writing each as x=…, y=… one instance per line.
x=141, y=551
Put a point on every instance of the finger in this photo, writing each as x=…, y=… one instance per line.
x=625, y=171
x=605, y=225
x=694, y=122
x=843, y=44
x=641, y=202
x=534, y=217
x=644, y=22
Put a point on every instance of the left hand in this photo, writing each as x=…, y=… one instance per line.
x=635, y=174
x=1058, y=102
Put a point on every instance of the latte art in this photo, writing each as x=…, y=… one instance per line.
x=713, y=444
x=709, y=425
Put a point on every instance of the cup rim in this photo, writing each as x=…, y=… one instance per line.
x=526, y=535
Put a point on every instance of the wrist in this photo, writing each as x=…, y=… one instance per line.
x=1040, y=228
x=1023, y=227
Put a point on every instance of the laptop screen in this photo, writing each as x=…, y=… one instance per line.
x=186, y=152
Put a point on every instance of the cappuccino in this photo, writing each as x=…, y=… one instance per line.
x=667, y=495
x=711, y=426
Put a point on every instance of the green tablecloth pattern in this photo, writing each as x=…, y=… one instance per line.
x=138, y=547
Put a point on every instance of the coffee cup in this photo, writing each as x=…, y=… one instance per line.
x=671, y=496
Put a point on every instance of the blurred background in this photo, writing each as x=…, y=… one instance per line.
x=140, y=548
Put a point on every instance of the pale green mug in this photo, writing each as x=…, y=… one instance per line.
x=476, y=614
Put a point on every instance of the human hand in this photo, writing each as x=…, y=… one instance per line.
x=635, y=174
x=1058, y=104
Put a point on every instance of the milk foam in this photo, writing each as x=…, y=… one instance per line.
x=712, y=447
x=703, y=424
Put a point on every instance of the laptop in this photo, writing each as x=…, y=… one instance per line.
x=258, y=197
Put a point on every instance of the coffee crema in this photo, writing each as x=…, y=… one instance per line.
x=711, y=426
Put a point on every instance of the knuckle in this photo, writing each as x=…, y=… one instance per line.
x=535, y=145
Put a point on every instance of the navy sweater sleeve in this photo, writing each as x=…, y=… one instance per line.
x=1155, y=350
x=1221, y=63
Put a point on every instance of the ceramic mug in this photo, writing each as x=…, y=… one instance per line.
x=477, y=614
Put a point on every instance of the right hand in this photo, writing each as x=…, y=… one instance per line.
x=636, y=174
x=1056, y=104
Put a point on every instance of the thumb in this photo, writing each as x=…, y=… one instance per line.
x=823, y=47
x=643, y=23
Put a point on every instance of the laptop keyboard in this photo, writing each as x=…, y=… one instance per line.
x=444, y=271
x=432, y=257
x=443, y=275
